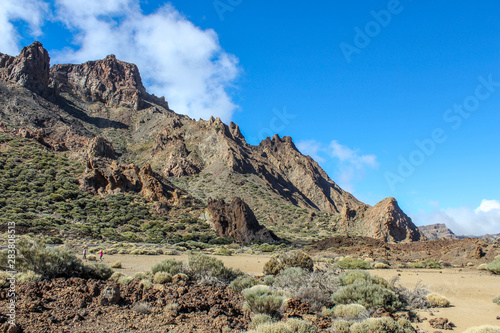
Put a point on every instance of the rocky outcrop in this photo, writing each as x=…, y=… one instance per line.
x=30, y=69
x=110, y=81
x=387, y=222
x=100, y=147
x=237, y=221
x=437, y=231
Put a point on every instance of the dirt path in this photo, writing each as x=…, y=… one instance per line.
x=251, y=264
x=470, y=292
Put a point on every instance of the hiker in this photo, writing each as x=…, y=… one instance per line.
x=84, y=256
x=100, y=255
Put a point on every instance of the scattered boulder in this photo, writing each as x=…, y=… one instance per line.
x=237, y=220
x=110, y=295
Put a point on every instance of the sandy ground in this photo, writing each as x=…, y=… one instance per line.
x=470, y=291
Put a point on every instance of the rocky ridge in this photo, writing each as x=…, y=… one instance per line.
x=70, y=105
x=437, y=231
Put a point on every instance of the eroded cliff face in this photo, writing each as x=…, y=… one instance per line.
x=137, y=143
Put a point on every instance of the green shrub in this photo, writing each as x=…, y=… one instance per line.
x=437, y=300
x=116, y=276
x=369, y=291
x=287, y=260
x=494, y=266
x=497, y=300
x=140, y=275
x=91, y=257
x=260, y=299
x=380, y=265
x=200, y=266
x=293, y=278
x=482, y=267
x=223, y=252
x=180, y=277
x=162, y=277
x=116, y=264
x=125, y=279
x=384, y=324
x=170, y=266
x=28, y=276
x=292, y=325
x=350, y=311
x=259, y=319
x=146, y=284
x=243, y=282
x=341, y=326
x=52, y=263
x=352, y=263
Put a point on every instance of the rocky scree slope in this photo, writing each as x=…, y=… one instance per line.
x=152, y=150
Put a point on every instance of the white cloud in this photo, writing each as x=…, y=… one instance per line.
x=29, y=11
x=350, y=165
x=466, y=221
x=178, y=60
x=311, y=148
x=487, y=206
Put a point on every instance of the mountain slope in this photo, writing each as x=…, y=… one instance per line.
x=68, y=107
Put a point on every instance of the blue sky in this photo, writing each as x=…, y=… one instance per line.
x=392, y=98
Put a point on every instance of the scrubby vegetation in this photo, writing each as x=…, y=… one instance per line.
x=353, y=263
x=286, y=260
x=48, y=263
x=260, y=299
x=494, y=266
x=40, y=191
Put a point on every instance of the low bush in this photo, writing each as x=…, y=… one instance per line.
x=28, y=276
x=380, y=265
x=116, y=264
x=353, y=263
x=146, y=284
x=116, y=276
x=384, y=324
x=341, y=326
x=170, y=266
x=413, y=298
x=125, y=279
x=350, y=311
x=288, y=260
x=260, y=299
x=140, y=275
x=142, y=308
x=180, y=277
x=494, y=266
x=49, y=263
x=290, y=326
x=370, y=291
x=437, y=300
x=497, y=300
x=243, y=282
x=91, y=257
x=200, y=266
x=162, y=277
x=259, y=319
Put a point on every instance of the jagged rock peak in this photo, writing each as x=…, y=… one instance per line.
x=30, y=69
x=386, y=221
x=100, y=147
x=110, y=81
x=276, y=141
x=437, y=231
x=237, y=220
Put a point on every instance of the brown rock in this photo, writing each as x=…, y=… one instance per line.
x=386, y=221
x=441, y=323
x=110, y=295
x=437, y=231
x=30, y=69
x=296, y=308
x=237, y=221
x=478, y=253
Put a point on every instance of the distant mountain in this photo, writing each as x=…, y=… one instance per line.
x=100, y=114
x=437, y=231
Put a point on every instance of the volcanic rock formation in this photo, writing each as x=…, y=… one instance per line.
x=237, y=221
